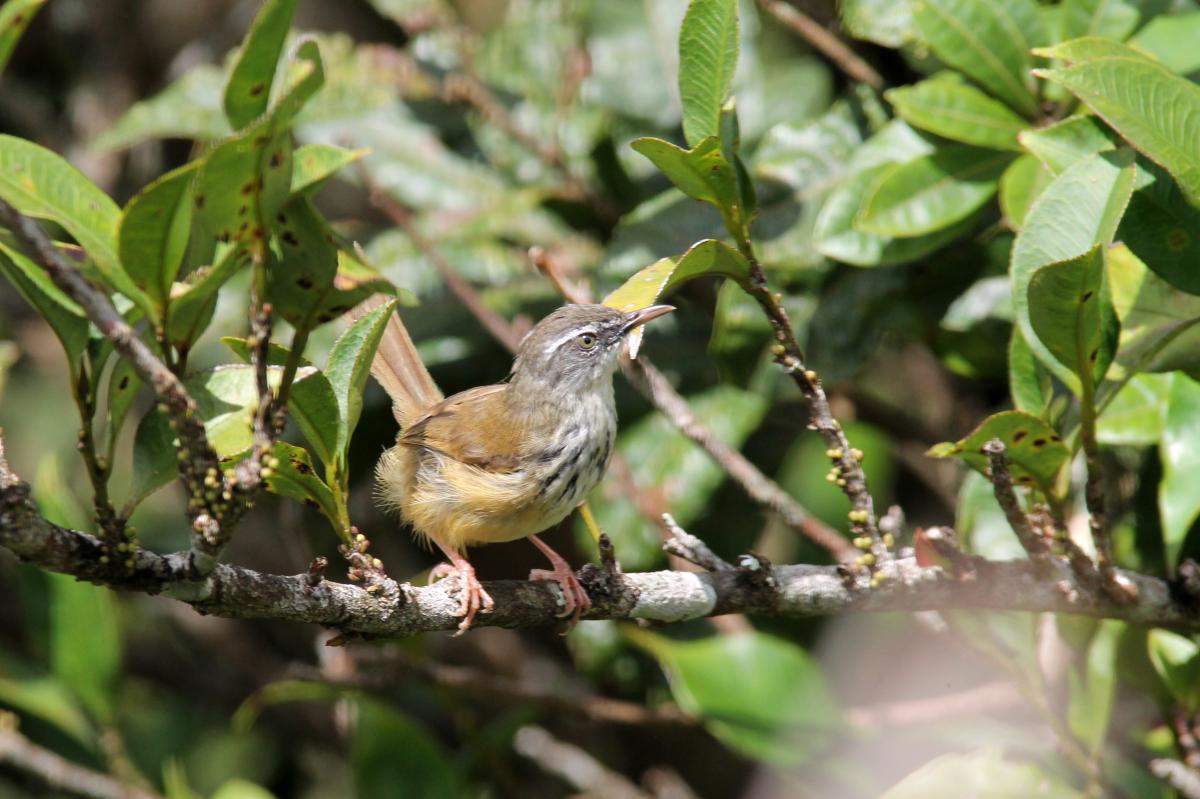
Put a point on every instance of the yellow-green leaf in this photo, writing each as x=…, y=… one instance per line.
x=1035, y=452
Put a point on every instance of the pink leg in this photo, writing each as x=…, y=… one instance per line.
x=473, y=598
x=575, y=599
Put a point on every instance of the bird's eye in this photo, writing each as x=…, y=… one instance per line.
x=586, y=341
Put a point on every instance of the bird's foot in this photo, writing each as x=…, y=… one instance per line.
x=472, y=598
x=575, y=599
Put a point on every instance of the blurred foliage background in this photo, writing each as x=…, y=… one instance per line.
x=500, y=126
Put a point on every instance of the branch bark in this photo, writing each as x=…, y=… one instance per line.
x=793, y=591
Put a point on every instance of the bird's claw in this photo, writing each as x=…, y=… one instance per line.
x=472, y=598
x=575, y=599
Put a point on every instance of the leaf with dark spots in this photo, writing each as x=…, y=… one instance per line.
x=1076, y=329
x=1039, y=459
x=295, y=478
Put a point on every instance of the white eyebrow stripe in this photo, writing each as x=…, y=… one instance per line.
x=570, y=334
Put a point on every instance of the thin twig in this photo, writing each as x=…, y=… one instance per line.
x=576, y=766
x=111, y=524
x=1006, y=496
x=384, y=672
x=59, y=773
x=267, y=424
x=826, y=42
x=654, y=386
x=846, y=460
x=687, y=546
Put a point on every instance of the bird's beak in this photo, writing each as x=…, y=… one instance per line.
x=644, y=315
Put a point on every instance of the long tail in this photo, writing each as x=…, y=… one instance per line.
x=399, y=368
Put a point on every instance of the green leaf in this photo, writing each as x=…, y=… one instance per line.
x=298, y=284
x=989, y=42
x=194, y=301
x=294, y=477
x=885, y=22
x=154, y=232
x=40, y=183
x=1178, y=500
x=277, y=354
x=1027, y=378
x=981, y=774
x=1177, y=661
x=246, y=180
x=227, y=396
x=705, y=258
x=1172, y=40
x=249, y=87
x=85, y=643
x=702, y=173
x=761, y=695
x=708, y=53
x=154, y=460
x=49, y=700
x=313, y=164
x=190, y=108
x=1112, y=19
x=1091, y=687
x=350, y=364
x=354, y=282
x=1060, y=145
x=931, y=193
x=1134, y=416
x=311, y=401
x=1079, y=209
x=1035, y=452
x=952, y=108
x=15, y=17
x=65, y=318
x=226, y=399
x=1163, y=230
x=314, y=407
x=123, y=385
x=389, y=750
x=838, y=237
x=1151, y=107
x=1072, y=315
x=1020, y=185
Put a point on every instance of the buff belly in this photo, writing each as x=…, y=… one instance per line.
x=460, y=505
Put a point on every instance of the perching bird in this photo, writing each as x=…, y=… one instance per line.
x=498, y=463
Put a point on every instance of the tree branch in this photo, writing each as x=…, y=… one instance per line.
x=59, y=773
x=1006, y=496
x=383, y=673
x=847, y=471
x=792, y=591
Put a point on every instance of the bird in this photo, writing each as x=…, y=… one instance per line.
x=498, y=463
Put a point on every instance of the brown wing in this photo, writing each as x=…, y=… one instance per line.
x=471, y=427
